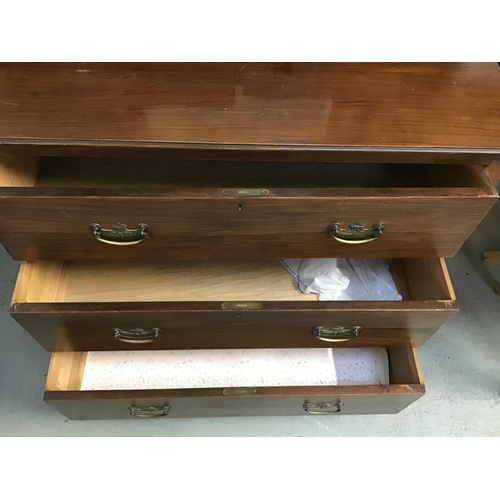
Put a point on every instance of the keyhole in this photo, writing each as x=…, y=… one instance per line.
x=240, y=207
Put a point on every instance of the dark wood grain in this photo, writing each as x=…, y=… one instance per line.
x=86, y=326
x=205, y=225
x=256, y=109
x=358, y=400
x=362, y=154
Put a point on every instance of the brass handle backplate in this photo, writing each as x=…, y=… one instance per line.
x=356, y=234
x=322, y=408
x=149, y=411
x=137, y=335
x=336, y=333
x=120, y=235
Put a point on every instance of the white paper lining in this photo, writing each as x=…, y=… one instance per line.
x=181, y=369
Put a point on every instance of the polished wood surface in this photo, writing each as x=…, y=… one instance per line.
x=357, y=400
x=257, y=109
x=66, y=329
x=76, y=306
x=63, y=384
x=52, y=228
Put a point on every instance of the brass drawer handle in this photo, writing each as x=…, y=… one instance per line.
x=149, y=411
x=322, y=408
x=336, y=334
x=356, y=234
x=137, y=335
x=120, y=235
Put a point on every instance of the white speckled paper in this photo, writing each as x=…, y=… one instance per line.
x=361, y=366
x=233, y=368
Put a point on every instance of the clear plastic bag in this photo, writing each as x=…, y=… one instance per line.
x=344, y=279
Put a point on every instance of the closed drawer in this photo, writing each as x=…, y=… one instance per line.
x=64, y=208
x=63, y=392
x=83, y=305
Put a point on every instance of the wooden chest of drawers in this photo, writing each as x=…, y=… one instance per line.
x=150, y=204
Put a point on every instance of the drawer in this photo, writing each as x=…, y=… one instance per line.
x=91, y=208
x=83, y=305
x=63, y=392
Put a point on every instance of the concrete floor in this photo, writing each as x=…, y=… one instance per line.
x=460, y=366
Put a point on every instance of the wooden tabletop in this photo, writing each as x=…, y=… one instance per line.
x=374, y=107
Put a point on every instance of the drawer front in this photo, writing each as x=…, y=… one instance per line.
x=125, y=327
x=208, y=225
x=66, y=370
x=163, y=404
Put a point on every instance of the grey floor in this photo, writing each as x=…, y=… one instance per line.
x=460, y=365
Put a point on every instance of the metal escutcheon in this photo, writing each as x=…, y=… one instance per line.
x=322, y=408
x=336, y=333
x=120, y=235
x=137, y=335
x=356, y=234
x=149, y=411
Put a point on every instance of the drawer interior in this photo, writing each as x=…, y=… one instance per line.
x=192, y=281
x=67, y=369
x=62, y=172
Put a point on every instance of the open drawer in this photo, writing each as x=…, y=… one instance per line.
x=83, y=305
x=91, y=208
x=64, y=392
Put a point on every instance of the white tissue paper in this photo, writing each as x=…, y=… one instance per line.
x=344, y=279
